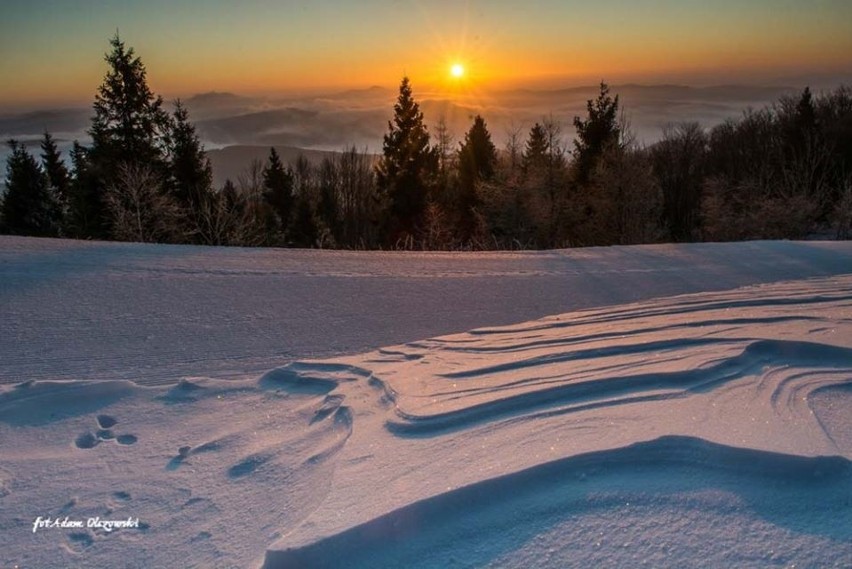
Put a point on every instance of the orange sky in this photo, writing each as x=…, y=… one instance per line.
x=53, y=50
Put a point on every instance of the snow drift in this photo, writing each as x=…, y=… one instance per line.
x=708, y=428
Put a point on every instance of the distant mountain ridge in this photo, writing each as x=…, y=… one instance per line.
x=338, y=119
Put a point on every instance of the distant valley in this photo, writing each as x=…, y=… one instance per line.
x=237, y=129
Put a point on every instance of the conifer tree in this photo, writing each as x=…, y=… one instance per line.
x=58, y=179
x=230, y=195
x=596, y=133
x=129, y=129
x=477, y=163
x=28, y=207
x=406, y=167
x=129, y=123
x=536, y=150
x=278, y=191
x=543, y=166
x=478, y=155
x=86, y=205
x=805, y=112
x=304, y=231
x=191, y=174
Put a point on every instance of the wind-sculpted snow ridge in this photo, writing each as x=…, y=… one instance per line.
x=709, y=429
x=482, y=524
x=496, y=438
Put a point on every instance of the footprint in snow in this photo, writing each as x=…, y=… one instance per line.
x=80, y=540
x=105, y=421
x=103, y=433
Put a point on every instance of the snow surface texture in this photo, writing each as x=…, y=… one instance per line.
x=157, y=313
x=707, y=429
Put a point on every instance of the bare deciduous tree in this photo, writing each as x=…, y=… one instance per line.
x=140, y=209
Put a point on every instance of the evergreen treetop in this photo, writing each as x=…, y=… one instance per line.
x=536, y=149
x=57, y=174
x=278, y=185
x=129, y=122
x=191, y=174
x=477, y=154
x=597, y=132
x=28, y=207
x=407, y=166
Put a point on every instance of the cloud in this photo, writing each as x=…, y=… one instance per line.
x=360, y=117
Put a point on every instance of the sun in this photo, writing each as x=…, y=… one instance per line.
x=457, y=70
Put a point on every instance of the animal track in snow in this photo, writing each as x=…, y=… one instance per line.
x=106, y=421
x=104, y=432
x=126, y=439
x=79, y=541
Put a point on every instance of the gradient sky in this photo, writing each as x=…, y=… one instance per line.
x=51, y=51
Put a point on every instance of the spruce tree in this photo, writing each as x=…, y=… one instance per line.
x=129, y=129
x=278, y=191
x=129, y=123
x=191, y=175
x=28, y=207
x=536, y=150
x=59, y=181
x=304, y=230
x=477, y=163
x=230, y=195
x=406, y=167
x=478, y=151
x=86, y=214
x=805, y=112
x=596, y=133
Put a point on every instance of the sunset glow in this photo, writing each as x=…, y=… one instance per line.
x=53, y=51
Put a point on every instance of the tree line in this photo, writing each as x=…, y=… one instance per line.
x=784, y=171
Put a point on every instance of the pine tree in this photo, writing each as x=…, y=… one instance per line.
x=544, y=181
x=59, y=181
x=477, y=163
x=304, y=230
x=406, y=168
x=230, y=195
x=278, y=191
x=28, y=207
x=478, y=155
x=596, y=133
x=191, y=174
x=536, y=150
x=805, y=112
x=86, y=206
x=129, y=123
x=129, y=128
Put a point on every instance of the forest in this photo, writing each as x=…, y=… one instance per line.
x=780, y=172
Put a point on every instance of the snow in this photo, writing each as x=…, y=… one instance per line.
x=660, y=406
